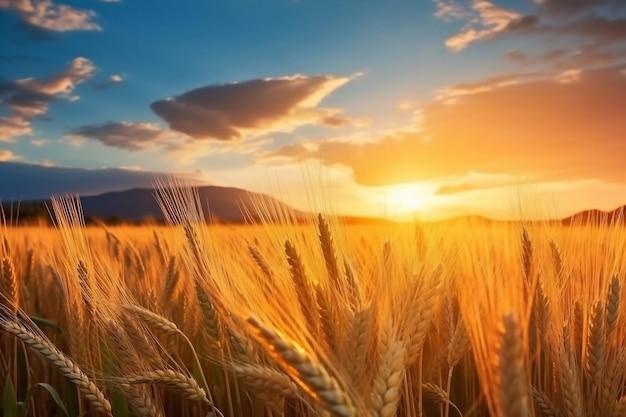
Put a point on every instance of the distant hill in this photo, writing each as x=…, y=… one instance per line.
x=599, y=217
x=225, y=204
x=221, y=203
x=235, y=205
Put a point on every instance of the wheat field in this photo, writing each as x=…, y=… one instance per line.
x=313, y=318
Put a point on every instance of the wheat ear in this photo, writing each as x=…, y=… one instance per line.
x=304, y=290
x=177, y=381
x=172, y=278
x=513, y=393
x=527, y=256
x=360, y=344
x=304, y=370
x=10, y=284
x=557, y=258
x=387, y=387
x=260, y=261
x=154, y=320
x=543, y=404
x=613, y=304
x=569, y=381
x=269, y=385
x=542, y=311
x=140, y=401
x=594, y=363
x=64, y=364
x=328, y=249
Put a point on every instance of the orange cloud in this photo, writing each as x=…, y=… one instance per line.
x=252, y=108
x=6, y=155
x=44, y=14
x=542, y=129
x=12, y=127
x=27, y=98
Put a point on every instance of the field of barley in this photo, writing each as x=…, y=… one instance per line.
x=318, y=318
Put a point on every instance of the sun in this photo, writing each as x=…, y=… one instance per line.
x=405, y=198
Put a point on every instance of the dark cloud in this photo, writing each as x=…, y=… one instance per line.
x=598, y=28
x=519, y=57
x=601, y=22
x=522, y=24
x=590, y=55
x=569, y=127
x=229, y=111
x=19, y=181
x=575, y=7
x=124, y=135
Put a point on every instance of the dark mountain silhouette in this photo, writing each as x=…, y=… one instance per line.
x=219, y=203
x=222, y=204
x=598, y=217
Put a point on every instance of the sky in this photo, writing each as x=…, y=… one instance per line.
x=403, y=108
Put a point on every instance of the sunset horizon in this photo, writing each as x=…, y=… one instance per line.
x=402, y=110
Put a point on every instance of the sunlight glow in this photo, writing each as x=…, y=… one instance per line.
x=406, y=198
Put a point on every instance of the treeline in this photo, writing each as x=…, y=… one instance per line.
x=38, y=213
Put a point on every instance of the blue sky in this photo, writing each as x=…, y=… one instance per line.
x=404, y=104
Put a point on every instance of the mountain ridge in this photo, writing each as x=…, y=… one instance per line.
x=237, y=205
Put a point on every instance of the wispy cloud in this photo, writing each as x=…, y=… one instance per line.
x=475, y=181
x=449, y=10
x=27, y=98
x=6, y=155
x=112, y=80
x=44, y=14
x=488, y=21
x=252, y=108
